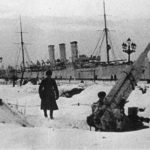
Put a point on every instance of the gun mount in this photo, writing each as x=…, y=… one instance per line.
x=110, y=116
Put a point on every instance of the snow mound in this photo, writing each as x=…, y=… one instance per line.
x=69, y=129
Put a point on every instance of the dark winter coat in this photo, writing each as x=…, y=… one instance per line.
x=49, y=93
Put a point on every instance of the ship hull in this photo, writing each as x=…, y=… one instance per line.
x=101, y=72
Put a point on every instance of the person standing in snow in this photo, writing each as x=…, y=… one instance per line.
x=49, y=93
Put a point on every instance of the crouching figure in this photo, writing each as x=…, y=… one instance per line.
x=97, y=110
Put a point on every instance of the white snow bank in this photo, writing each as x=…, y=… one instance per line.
x=13, y=137
x=68, y=130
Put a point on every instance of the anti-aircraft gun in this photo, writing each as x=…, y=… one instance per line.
x=111, y=116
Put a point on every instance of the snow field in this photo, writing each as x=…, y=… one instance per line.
x=68, y=130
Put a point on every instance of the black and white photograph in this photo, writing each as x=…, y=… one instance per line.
x=74, y=74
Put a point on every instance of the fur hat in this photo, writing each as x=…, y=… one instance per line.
x=101, y=94
x=49, y=72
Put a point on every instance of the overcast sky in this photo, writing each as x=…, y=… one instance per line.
x=62, y=21
x=67, y=8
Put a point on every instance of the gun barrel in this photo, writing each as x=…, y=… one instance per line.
x=127, y=81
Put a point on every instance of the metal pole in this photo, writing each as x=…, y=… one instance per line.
x=106, y=33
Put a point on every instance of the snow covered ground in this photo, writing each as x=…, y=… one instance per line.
x=68, y=130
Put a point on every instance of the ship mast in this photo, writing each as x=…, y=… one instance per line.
x=106, y=33
x=22, y=49
x=22, y=44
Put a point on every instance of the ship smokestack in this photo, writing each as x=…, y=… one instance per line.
x=74, y=50
x=51, y=51
x=62, y=48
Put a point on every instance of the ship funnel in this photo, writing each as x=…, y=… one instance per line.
x=62, y=48
x=51, y=54
x=74, y=50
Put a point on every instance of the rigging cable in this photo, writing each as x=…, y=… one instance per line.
x=113, y=53
x=119, y=54
x=96, y=45
x=18, y=55
x=27, y=54
x=100, y=47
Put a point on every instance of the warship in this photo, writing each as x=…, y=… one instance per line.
x=81, y=67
